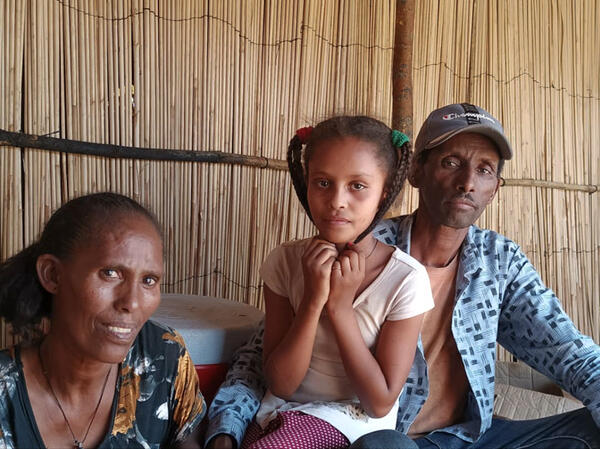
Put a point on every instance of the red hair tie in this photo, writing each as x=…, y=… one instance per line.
x=304, y=134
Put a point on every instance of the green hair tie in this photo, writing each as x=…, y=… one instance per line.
x=398, y=138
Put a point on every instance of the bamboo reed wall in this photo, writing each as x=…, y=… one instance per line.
x=226, y=75
x=534, y=64
x=240, y=77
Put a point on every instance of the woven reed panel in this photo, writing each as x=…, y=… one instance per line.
x=230, y=76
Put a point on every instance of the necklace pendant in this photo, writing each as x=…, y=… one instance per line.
x=77, y=444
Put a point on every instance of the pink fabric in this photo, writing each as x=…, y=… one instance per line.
x=294, y=430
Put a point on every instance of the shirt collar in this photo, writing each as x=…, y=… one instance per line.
x=404, y=231
x=471, y=263
x=471, y=258
x=469, y=251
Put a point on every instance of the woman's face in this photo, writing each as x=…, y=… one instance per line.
x=107, y=289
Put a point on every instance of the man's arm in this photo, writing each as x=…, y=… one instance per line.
x=534, y=327
x=238, y=398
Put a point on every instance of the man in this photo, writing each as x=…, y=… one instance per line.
x=485, y=292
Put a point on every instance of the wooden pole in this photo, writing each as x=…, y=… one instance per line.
x=402, y=103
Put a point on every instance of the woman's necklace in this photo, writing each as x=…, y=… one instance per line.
x=76, y=443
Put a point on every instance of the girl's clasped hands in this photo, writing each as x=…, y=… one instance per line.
x=331, y=278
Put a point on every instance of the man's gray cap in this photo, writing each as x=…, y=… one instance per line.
x=448, y=121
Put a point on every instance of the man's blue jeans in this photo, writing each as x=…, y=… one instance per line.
x=573, y=430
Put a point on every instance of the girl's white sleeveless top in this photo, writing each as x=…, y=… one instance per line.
x=400, y=291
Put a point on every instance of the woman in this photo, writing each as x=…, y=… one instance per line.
x=103, y=375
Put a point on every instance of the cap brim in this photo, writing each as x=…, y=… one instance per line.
x=498, y=138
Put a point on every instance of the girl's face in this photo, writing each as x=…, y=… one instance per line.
x=345, y=186
x=107, y=289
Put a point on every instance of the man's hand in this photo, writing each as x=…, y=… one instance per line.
x=317, y=261
x=347, y=273
x=222, y=441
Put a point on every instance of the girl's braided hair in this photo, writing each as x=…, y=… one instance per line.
x=393, y=149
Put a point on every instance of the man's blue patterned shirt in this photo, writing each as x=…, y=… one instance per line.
x=499, y=298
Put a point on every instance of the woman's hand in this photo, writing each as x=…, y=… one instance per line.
x=347, y=274
x=317, y=260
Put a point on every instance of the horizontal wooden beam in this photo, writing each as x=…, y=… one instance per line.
x=23, y=140
x=524, y=182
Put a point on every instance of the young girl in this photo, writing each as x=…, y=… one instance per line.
x=343, y=310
